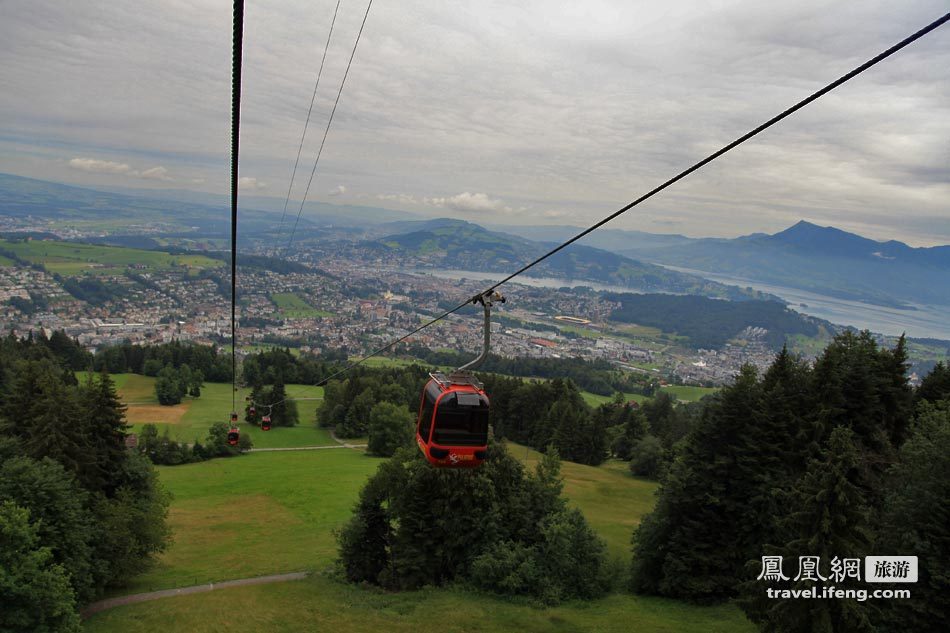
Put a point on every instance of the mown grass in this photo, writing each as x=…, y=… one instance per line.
x=70, y=258
x=292, y=306
x=275, y=512
x=321, y=604
x=191, y=419
x=688, y=393
x=612, y=500
x=256, y=514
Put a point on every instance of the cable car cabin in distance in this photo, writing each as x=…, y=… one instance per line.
x=452, y=429
x=265, y=423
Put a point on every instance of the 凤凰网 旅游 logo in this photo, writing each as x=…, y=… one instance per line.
x=890, y=569
x=875, y=569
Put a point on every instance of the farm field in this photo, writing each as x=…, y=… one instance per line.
x=275, y=512
x=294, y=307
x=68, y=258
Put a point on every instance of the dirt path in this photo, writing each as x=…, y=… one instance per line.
x=119, y=601
x=305, y=448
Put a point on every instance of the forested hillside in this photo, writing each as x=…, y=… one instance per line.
x=836, y=459
x=78, y=512
x=709, y=323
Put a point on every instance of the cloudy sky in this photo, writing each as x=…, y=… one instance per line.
x=529, y=112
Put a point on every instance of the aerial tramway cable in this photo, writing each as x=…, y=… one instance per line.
x=801, y=104
x=316, y=162
x=237, y=54
x=306, y=124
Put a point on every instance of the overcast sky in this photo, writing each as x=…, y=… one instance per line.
x=529, y=112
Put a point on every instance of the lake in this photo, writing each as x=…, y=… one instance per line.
x=925, y=321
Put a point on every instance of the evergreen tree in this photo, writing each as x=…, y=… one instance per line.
x=104, y=429
x=828, y=518
x=916, y=520
x=708, y=488
x=936, y=385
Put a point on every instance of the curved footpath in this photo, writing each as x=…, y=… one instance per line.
x=119, y=601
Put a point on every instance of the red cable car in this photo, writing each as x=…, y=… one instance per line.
x=252, y=410
x=233, y=434
x=452, y=429
x=265, y=423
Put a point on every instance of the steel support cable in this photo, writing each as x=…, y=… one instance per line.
x=801, y=104
x=237, y=54
x=329, y=123
x=306, y=124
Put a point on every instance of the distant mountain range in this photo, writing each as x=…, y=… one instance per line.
x=455, y=244
x=823, y=260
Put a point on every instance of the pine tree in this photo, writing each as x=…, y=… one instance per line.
x=916, y=520
x=828, y=518
x=704, y=545
x=936, y=385
x=104, y=429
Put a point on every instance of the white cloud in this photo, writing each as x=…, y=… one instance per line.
x=155, y=173
x=402, y=198
x=470, y=202
x=340, y=190
x=96, y=166
x=248, y=182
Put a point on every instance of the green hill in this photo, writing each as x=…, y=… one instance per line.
x=276, y=512
x=454, y=244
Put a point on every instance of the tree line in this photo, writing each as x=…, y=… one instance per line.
x=167, y=451
x=78, y=511
x=595, y=376
x=709, y=323
x=148, y=360
x=840, y=458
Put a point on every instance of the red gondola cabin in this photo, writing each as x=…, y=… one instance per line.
x=265, y=423
x=252, y=410
x=233, y=436
x=452, y=429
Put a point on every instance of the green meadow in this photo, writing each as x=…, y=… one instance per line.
x=293, y=307
x=275, y=512
x=688, y=393
x=69, y=258
x=595, y=399
x=192, y=418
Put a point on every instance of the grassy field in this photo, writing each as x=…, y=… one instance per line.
x=320, y=604
x=688, y=393
x=293, y=307
x=192, y=418
x=275, y=512
x=595, y=400
x=68, y=258
x=612, y=500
